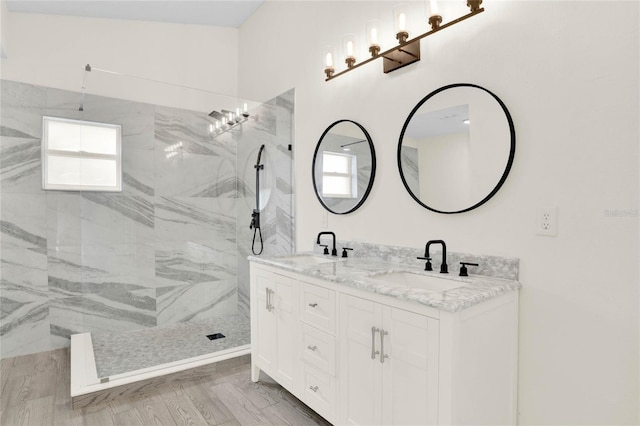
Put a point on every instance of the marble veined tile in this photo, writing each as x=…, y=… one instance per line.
x=196, y=302
x=23, y=221
x=24, y=267
x=193, y=219
x=266, y=119
x=88, y=269
x=244, y=250
x=410, y=168
x=136, y=119
x=106, y=311
x=66, y=317
x=138, y=170
x=64, y=210
x=189, y=175
x=189, y=129
x=185, y=263
x=22, y=109
x=24, y=319
x=121, y=218
x=132, y=264
x=75, y=218
x=86, y=299
x=20, y=163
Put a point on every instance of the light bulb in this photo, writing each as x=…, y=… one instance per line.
x=433, y=7
x=329, y=60
x=402, y=22
x=349, y=48
x=374, y=36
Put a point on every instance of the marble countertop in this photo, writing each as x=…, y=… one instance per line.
x=364, y=273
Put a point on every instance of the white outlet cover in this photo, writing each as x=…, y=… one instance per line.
x=547, y=221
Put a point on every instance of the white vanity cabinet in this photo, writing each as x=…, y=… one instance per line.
x=361, y=358
x=389, y=365
x=274, y=326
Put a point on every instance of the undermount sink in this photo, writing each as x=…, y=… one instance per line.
x=425, y=282
x=309, y=259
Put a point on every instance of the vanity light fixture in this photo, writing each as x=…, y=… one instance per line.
x=406, y=52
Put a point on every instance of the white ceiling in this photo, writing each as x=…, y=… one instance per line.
x=219, y=13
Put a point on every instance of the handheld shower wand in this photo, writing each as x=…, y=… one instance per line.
x=255, y=215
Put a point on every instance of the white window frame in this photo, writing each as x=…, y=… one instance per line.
x=351, y=175
x=81, y=154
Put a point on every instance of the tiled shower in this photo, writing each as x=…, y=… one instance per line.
x=170, y=248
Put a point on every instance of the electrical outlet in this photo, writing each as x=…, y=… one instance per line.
x=547, y=221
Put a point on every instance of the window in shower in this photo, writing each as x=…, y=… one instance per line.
x=339, y=175
x=81, y=155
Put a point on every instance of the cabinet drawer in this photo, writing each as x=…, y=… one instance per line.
x=319, y=392
x=318, y=307
x=319, y=349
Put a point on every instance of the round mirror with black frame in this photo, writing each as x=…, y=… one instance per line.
x=456, y=148
x=344, y=167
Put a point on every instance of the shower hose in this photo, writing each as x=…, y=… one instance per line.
x=253, y=244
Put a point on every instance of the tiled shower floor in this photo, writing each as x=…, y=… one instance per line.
x=119, y=353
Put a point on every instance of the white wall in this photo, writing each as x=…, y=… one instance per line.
x=572, y=89
x=52, y=51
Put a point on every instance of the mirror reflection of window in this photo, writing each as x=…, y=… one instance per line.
x=339, y=175
x=344, y=165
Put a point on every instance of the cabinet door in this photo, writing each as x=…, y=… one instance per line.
x=360, y=401
x=265, y=323
x=286, y=307
x=410, y=373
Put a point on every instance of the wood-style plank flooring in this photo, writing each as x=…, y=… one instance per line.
x=35, y=391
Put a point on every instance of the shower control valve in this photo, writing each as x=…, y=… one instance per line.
x=255, y=219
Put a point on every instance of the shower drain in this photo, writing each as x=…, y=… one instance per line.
x=215, y=336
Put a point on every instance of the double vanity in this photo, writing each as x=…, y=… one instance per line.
x=373, y=338
x=389, y=335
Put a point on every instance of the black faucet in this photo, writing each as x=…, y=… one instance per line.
x=334, y=251
x=443, y=267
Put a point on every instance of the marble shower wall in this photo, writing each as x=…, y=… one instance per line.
x=160, y=252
